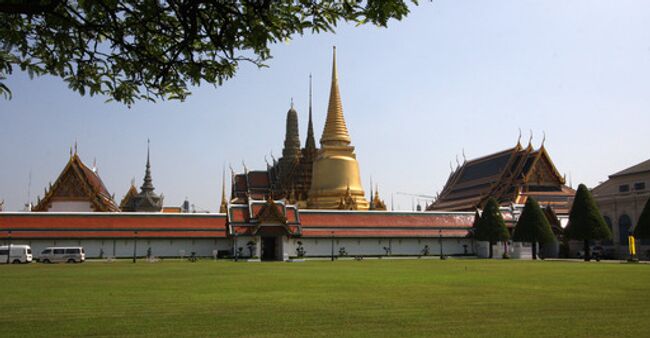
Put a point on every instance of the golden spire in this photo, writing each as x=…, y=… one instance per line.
x=223, y=208
x=335, y=132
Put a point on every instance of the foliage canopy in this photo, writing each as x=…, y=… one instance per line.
x=491, y=226
x=642, y=229
x=145, y=50
x=532, y=225
x=585, y=220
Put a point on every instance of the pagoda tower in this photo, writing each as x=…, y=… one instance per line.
x=336, y=183
x=146, y=200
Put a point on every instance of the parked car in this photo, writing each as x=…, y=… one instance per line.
x=62, y=254
x=19, y=254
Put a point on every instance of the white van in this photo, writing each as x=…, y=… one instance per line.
x=72, y=254
x=19, y=254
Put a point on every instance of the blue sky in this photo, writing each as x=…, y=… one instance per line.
x=453, y=75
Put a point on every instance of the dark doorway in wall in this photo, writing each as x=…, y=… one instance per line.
x=268, y=249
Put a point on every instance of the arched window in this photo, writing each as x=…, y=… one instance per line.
x=611, y=228
x=624, y=226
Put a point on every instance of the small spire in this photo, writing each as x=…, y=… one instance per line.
x=464, y=157
x=543, y=139
x=75, y=147
x=310, y=143
x=95, y=165
x=224, y=204
x=147, y=185
x=292, y=136
x=530, y=140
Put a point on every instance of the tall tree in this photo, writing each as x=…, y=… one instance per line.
x=533, y=226
x=642, y=229
x=131, y=50
x=585, y=221
x=491, y=227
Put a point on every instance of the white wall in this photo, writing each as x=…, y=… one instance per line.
x=375, y=246
x=124, y=247
x=286, y=247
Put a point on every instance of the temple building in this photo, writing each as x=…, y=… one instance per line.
x=78, y=188
x=510, y=176
x=146, y=200
x=311, y=178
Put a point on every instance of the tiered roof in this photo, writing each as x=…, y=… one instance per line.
x=77, y=182
x=113, y=225
x=263, y=217
x=510, y=176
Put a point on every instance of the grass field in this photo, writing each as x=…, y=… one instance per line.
x=321, y=298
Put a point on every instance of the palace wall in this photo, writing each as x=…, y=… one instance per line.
x=123, y=247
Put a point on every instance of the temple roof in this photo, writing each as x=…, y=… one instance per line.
x=77, y=182
x=510, y=175
x=132, y=192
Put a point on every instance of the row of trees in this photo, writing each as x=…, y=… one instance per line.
x=585, y=224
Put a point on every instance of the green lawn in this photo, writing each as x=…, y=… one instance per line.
x=320, y=298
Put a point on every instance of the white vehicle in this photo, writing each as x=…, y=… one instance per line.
x=74, y=254
x=19, y=254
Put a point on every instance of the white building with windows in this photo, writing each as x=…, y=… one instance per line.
x=621, y=199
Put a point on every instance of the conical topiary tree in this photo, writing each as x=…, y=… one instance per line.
x=491, y=226
x=533, y=226
x=585, y=221
x=642, y=229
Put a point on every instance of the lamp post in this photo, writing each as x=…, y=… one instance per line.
x=236, y=252
x=332, y=246
x=8, y=246
x=135, y=244
x=442, y=255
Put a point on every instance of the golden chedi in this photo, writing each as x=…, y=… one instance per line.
x=336, y=182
